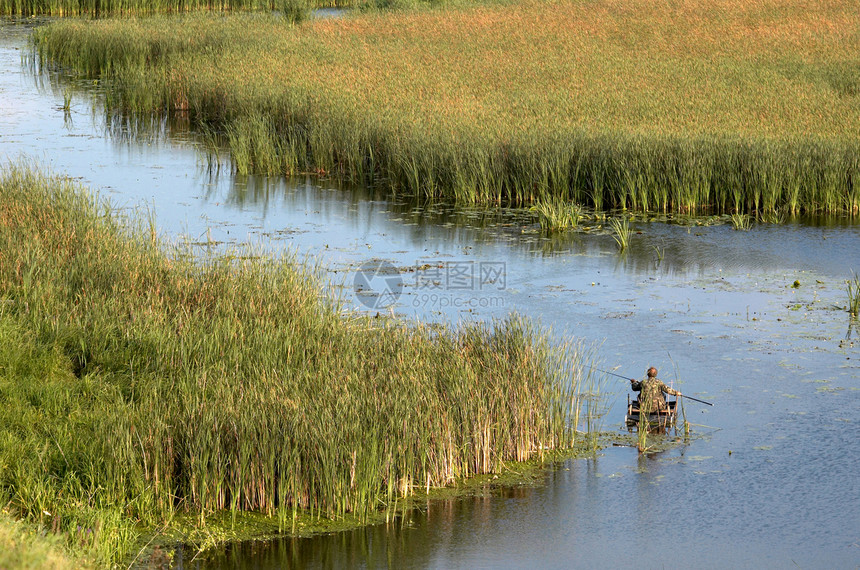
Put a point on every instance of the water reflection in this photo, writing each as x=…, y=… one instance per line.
x=385, y=545
x=655, y=248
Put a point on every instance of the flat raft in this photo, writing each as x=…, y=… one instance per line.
x=660, y=419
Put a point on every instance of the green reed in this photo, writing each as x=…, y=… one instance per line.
x=557, y=215
x=621, y=232
x=143, y=380
x=741, y=222
x=577, y=119
x=138, y=7
x=642, y=430
x=852, y=287
x=292, y=10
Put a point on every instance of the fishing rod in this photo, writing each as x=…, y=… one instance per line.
x=612, y=373
x=694, y=399
x=626, y=378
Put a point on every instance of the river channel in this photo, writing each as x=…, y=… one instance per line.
x=752, y=321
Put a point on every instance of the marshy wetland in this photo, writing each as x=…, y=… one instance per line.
x=755, y=321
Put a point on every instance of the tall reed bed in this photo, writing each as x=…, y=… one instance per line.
x=292, y=10
x=643, y=105
x=139, y=381
x=137, y=7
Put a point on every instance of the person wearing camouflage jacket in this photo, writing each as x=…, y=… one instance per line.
x=651, y=391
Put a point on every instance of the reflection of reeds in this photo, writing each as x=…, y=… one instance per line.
x=142, y=379
x=575, y=117
x=853, y=287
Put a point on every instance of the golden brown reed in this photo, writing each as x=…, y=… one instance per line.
x=713, y=105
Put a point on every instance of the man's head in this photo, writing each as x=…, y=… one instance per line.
x=652, y=372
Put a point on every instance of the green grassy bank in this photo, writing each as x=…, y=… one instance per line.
x=714, y=106
x=139, y=385
x=21, y=546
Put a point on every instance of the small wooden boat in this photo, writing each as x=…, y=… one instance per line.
x=656, y=420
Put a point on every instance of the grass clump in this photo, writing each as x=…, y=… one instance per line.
x=141, y=382
x=741, y=222
x=642, y=105
x=852, y=287
x=620, y=232
x=23, y=546
x=557, y=215
x=296, y=11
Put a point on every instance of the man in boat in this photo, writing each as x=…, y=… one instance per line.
x=651, y=391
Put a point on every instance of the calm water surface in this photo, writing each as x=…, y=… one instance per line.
x=770, y=477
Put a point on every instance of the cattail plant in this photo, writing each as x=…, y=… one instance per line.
x=144, y=380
